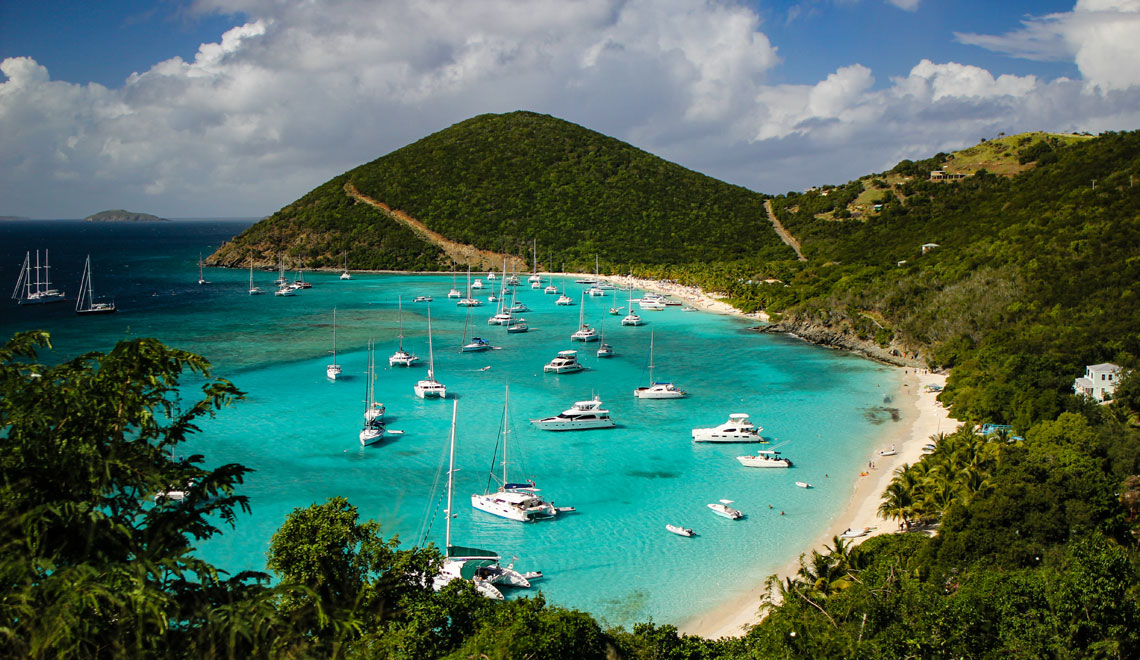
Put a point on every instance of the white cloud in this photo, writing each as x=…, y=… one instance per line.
x=1101, y=36
x=304, y=91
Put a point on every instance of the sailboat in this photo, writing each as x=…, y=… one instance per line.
x=615, y=310
x=477, y=344
x=86, y=303
x=373, y=429
x=514, y=501
x=201, y=277
x=253, y=290
x=535, y=279
x=300, y=282
x=346, y=275
x=632, y=318
x=401, y=357
x=29, y=292
x=595, y=288
x=480, y=566
x=657, y=390
x=430, y=388
x=564, y=300
x=333, y=370
x=605, y=350
x=468, y=301
x=584, y=332
x=454, y=293
x=280, y=281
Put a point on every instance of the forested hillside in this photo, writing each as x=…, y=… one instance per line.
x=499, y=182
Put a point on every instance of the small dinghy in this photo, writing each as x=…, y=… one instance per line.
x=855, y=533
x=803, y=484
x=679, y=531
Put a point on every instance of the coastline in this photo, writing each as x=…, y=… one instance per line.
x=923, y=417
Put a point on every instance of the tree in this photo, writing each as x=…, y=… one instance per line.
x=92, y=563
x=353, y=579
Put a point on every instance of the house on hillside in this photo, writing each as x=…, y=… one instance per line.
x=927, y=247
x=1099, y=381
x=940, y=175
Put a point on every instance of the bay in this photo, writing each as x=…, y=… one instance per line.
x=298, y=430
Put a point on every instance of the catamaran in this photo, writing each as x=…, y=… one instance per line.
x=35, y=292
x=657, y=390
x=401, y=357
x=468, y=301
x=584, y=332
x=86, y=303
x=535, y=279
x=346, y=275
x=514, y=501
x=480, y=566
x=430, y=388
x=632, y=318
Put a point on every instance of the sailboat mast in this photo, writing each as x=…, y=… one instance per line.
x=450, y=479
x=506, y=432
x=400, y=304
x=334, y=332
x=431, y=353
x=651, y=358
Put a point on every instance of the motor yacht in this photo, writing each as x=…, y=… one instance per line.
x=424, y=298
x=765, y=459
x=566, y=362
x=738, y=428
x=722, y=508
x=583, y=415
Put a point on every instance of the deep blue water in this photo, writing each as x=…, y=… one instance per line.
x=299, y=431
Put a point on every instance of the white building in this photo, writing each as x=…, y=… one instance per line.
x=1099, y=381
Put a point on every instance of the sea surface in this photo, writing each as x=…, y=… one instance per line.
x=824, y=409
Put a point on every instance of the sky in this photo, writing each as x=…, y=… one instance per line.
x=235, y=108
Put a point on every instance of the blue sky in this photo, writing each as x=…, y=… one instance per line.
x=238, y=107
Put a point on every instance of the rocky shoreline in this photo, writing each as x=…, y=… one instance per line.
x=842, y=338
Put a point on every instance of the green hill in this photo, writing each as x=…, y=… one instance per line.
x=497, y=182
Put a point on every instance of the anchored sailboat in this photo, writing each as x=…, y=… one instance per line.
x=401, y=357
x=333, y=370
x=37, y=291
x=657, y=390
x=86, y=303
x=430, y=388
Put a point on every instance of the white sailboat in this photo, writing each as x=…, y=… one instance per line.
x=584, y=332
x=657, y=390
x=346, y=275
x=430, y=388
x=333, y=370
x=480, y=566
x=535, y=279
x=513, y=501
x=615, y=310
x=454, y=292
x=401, y=357
x=201, y=277
x=632, y=318
x=564, y=300
x=37, y=291
x=468, y=301
x=253, y=290
x=86, y=303
x=477, y=344
x=373, y=429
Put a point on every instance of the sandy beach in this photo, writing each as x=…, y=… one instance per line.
x=922, y=417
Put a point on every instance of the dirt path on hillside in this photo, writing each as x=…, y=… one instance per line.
x=786, y=237
x=460, y=253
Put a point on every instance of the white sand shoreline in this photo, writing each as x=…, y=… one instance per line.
x=923, y=417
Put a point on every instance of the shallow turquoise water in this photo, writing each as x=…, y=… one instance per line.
x=613, y=557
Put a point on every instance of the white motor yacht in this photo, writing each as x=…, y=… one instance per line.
x=765, y=459
x=738, y=428
x=582, y=415
x=566, y=362
x=424, y=298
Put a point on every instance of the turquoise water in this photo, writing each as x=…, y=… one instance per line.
x=613, y=556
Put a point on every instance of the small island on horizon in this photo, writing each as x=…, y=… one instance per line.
x=119, y=215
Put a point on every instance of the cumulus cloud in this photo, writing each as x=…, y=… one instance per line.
x=303, y=91
x=1101, y=36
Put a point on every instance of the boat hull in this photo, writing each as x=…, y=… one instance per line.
x=572, y=425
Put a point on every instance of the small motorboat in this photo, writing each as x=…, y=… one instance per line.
x=679, y=531
x=888, y=452
x=722, y=508
x=423, y=299
x=803, y=484
x=854, y=533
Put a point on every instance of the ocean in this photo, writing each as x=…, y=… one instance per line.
x=826, y=410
